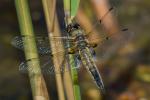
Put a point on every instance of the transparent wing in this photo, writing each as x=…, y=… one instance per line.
x=93, y=53
x=99, y=22
x=47, y=66
x=110, y=44
x=77, y=63
x=42, y=42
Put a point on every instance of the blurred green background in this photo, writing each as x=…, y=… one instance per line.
x=126, y=73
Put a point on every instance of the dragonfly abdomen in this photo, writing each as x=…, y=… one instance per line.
x=91, y=67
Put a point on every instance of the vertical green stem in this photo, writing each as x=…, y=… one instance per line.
x=74, y=7
x=71, y=7
x=37, y=82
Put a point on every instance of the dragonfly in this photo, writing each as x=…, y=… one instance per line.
x=76, y=42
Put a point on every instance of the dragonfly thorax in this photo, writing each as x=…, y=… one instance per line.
x=80, y=40
x=76, y=31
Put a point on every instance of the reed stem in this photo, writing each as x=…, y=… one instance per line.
x=38, y=86
x=49, y=7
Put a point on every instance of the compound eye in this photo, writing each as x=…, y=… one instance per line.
x=76, y=25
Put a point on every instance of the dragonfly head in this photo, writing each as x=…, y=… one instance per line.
x=73, y=26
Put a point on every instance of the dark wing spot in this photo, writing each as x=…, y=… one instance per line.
x=125, y=29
